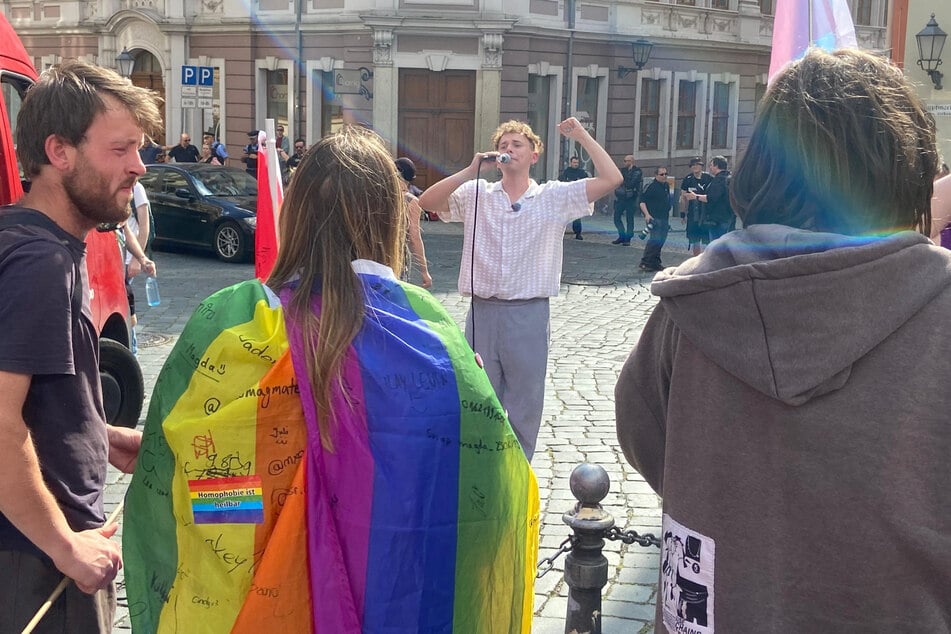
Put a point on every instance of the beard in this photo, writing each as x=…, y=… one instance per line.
x=90, y=192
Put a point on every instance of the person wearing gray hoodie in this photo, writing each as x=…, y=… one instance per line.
x=790, y=395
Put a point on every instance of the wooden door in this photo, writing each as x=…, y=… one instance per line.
x=147, y=73
x=436, y=121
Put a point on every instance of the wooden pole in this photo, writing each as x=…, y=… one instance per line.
x=62, y=584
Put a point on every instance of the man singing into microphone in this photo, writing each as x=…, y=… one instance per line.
x=512, y=255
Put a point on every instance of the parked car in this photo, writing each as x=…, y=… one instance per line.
x=209, y=206
x=123, y=390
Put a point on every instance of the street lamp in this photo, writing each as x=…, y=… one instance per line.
x=640, y=52
x=930, y=44
x=125, y=62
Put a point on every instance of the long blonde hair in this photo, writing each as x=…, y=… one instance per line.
x=343, y=203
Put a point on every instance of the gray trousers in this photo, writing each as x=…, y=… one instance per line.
x=512, y=338
x=26, y=582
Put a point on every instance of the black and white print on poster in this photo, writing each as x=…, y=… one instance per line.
x=686, y=579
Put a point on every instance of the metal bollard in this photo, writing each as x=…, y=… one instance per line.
x=586, y=569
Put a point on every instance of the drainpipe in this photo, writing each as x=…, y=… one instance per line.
x=570, y=15
x=301, y=69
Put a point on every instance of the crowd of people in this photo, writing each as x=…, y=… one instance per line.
x=801, y=490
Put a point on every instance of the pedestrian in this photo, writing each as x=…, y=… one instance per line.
x=137, y=239
x=184, y=152
x=78, y=133
x=338, y=434
x=801, y=491
x=626, y=198
x=300, y=146
x=718, y=217
x=250, y=155
x=693, y=184
x=150, y=151
x=207, y=156
x=511, y=257
x=574, y=172
x=281, y=142
x=216, y=148
x=407, y=171
x=655, y=205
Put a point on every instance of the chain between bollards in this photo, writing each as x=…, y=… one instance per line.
x=631, y=536
x=545, y=565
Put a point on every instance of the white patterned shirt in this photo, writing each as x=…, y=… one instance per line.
x=518, y=254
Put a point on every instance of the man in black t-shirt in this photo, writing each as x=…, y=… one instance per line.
x=655, y=205
x=300, y=146
x=718, y=217
x=56, y=442
x=696, y=182
x=184, y=152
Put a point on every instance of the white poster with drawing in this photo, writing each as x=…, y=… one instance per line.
x=687, y=579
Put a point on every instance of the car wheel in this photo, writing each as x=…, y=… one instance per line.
x=229, y=242
x=123, y=389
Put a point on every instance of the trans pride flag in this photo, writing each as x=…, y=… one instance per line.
x=423, y=518
x=799, y=24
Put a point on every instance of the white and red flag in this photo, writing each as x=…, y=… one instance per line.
x=270, y=197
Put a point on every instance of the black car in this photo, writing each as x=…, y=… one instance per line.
x=203, y=205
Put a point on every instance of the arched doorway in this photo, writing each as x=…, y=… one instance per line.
x=147, y=73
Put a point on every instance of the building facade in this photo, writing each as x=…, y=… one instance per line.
x=436, y=78
x=908, y=17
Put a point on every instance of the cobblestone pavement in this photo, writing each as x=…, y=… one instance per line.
x=595, y=322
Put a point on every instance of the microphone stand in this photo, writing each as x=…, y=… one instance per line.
x=500, y=158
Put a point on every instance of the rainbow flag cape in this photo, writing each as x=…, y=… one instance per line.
x=423, y=518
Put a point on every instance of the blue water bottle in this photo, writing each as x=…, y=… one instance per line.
x=152, y=292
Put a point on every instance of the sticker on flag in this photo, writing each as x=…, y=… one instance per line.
x=236, y=500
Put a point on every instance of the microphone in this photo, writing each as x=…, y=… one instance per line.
x=503, y=158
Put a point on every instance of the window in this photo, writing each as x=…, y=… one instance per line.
x=720, y=4
x=759, y=93
x=331, y=107
x=766, y=7
x=691, y=3
x=539, y=109
x=277, y=96
x=650, y=115
x=150, y=181
x=863, y=12
x=686, y=115
x=174, y=181
x=586, y=111
x=720, y=117
x=12, y=89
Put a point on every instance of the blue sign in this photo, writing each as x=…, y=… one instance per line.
x=198, y=76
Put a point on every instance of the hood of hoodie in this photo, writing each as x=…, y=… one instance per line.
x=789, y=312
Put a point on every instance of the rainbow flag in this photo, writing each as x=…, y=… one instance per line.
x=799, y=24
x=424, y=517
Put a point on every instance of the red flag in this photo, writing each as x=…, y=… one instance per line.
x=270, y=197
